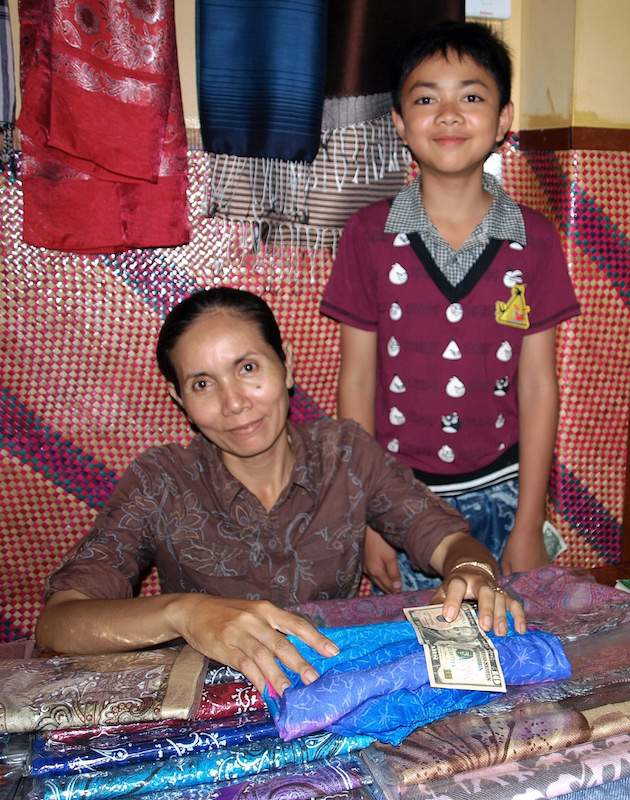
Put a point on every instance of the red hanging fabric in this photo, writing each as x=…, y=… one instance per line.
x=103, y=134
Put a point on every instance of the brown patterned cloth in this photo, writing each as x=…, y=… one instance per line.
x=75, y=691
x=181, y=509
x=467, y=741
x=604, y=764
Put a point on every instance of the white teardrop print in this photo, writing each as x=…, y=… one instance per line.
x=516, y=245
x=504, y=353
x=393, y=445
x=452, y=351
x=499, y=421
x=397, y=385
x=396, y=417
x=501, y=445
x=445, y=453
x=513, y=277
x=455, y=388
x=401, y=240
x=398, y=274
x=395, y=312
x=393, y=348
x=455, y=312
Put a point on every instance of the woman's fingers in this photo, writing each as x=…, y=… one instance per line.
x=518, y=613
x=250, y=636
x=268, y=645
x=292, y=624
x=455, y=591
x=492, y=603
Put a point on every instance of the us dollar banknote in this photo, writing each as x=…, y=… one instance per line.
x=459, y=655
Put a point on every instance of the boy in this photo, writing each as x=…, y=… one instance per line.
x=448, y=298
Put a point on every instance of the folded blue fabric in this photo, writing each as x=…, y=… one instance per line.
x=378, y=685
x=181, y=773
x=219, y=734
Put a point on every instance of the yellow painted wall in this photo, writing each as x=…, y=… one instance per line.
x=602, y=64
x=547, y=57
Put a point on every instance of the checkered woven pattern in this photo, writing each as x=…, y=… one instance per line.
x=80, y=394
x=585, y=193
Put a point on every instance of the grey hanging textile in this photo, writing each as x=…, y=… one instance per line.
x=7, y=86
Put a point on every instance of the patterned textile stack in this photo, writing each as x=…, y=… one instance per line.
x=159, y=723
x=165, y=725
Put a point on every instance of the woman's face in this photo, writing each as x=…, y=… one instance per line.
x=233, y=386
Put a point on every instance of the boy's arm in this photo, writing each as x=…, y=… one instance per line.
x=356, y=391
x=538, y=419
x=355, y=400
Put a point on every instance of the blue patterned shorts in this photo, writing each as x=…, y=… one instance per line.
x=491, y=514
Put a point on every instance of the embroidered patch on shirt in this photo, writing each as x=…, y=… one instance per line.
x=514, y=313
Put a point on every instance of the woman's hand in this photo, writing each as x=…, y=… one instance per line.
x=249, y=635
x=470, y=573
x=380, y=562
x=473, y=583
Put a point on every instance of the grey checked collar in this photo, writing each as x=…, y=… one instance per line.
x=504, y=220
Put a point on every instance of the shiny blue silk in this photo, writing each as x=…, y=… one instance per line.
x=180, y=773
x=378, y=685
x=190, y=739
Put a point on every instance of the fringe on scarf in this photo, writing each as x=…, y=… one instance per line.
x=8, y=152
x=297, y=204
x=281, y=253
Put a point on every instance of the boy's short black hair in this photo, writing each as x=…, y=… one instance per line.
x=470, y=39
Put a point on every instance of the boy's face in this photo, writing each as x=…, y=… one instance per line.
x=451, y=119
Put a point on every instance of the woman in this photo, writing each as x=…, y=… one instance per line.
x=254, y=514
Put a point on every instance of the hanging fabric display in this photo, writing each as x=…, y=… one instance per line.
x=260, y=73
x=7, y=86
x=103, y=138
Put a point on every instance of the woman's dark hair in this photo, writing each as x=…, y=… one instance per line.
x=471, y=39
x=236, y=301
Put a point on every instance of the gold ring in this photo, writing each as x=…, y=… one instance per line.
x=499, y=590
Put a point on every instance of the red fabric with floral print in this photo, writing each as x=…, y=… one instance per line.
x=103, y=134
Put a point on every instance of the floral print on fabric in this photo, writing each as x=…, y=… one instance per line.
x=103, y=137
x=180, y=773
x=68, y=691
x=378, y=685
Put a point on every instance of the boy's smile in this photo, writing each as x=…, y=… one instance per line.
x=450, y=117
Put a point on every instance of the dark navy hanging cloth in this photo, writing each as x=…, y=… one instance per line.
x=260, y=76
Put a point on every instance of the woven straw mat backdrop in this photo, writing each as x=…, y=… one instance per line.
x=80, y=394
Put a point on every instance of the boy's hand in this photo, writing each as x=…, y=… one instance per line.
x=380, y=562
x=525, y=550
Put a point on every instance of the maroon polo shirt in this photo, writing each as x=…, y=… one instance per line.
x=447, y=360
